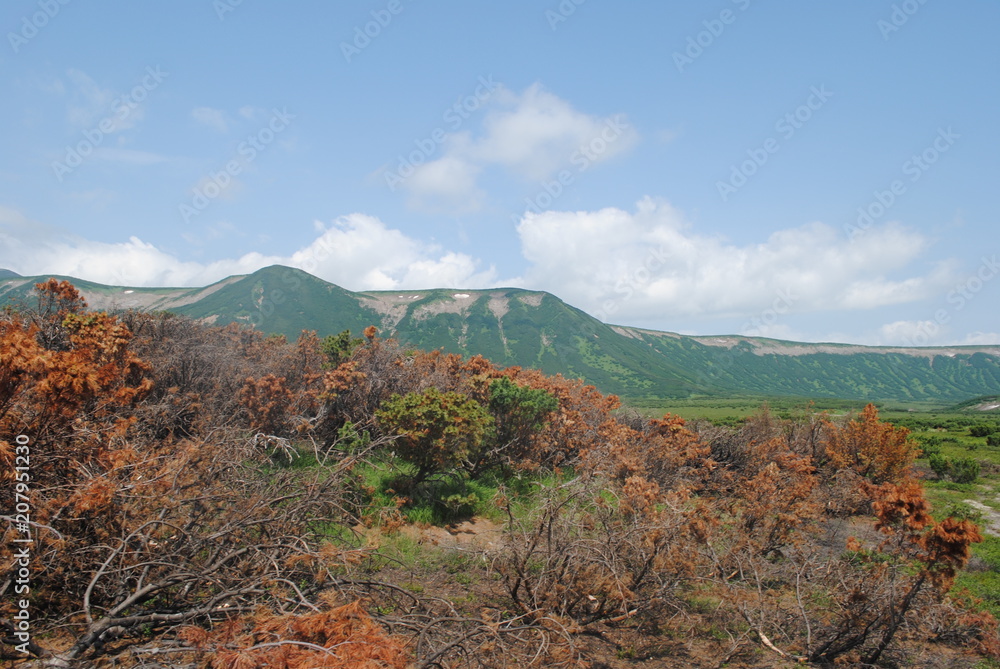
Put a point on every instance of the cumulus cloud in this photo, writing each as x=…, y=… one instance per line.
x=360, y=252
x=357, y=252
x=982, y=339
x=645, y=266
x=448, y=184
x=649, y=265
x=538, y=133
x=930, y=333
x=912, y=333
x=32, y=248
x=531, y=135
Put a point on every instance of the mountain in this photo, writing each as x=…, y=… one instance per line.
x=7, y=274
x=512, y=326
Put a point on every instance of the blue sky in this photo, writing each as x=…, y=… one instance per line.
x=810, y=171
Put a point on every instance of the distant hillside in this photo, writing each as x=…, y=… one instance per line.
x=988, y=404
x=512, y=326
x=7, y=274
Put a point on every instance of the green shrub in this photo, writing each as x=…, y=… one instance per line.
x=993, y=440
x=964, y=470
x=939, y=464
x=929, y=446
x=436, y=431
x=338, y=348
x=983, y=430
x=519, y=413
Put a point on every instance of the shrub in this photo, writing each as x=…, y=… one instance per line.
x=940, y=465
x=338, y=348
x=878, y=451
x=930, y=446
x=437, y=431
x=964, y=470
x=982, y=430
x=519, y=415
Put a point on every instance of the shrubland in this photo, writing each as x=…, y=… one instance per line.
x=204, y=496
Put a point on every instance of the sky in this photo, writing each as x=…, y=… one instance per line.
x=812, y=171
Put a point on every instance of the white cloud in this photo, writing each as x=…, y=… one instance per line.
x=540, y=133
x=926, y=332
x=982, y=339
x=912, y=333
x=213, y=118
x=30, y=248
x=650, y=265
x=632, y=267
x=532, y=135
x=448, y=184
x=357, y=252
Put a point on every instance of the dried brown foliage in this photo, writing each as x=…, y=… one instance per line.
x=343, y=637
x=131, y=531
x=880, y=452
x=156, y=509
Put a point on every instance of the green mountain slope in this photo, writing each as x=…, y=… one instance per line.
x=531, y=329
x=282, y=300
x=535, y=329
x=742, y=365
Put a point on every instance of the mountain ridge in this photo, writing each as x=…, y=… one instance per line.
x=530, y=328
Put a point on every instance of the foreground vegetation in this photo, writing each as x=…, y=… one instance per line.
x=206, y=496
